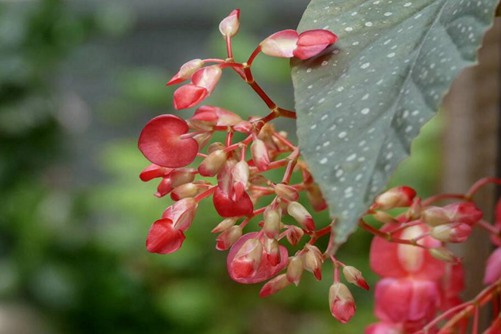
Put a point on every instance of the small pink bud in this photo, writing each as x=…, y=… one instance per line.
x=272, y=221
x=260, y=155
x=464, y=212
x=186, y=71
x=272, y=251
x=294, y=234
x=394, y=198
x=341, y=302
x=164, y=187
x=228, y=237
x=211, y=165
x=240, y=173
x=225, y=224
x=230, y=24
x=274, y=285
x=243, y=127
x=455, y=232
x=206, y=117
x=301, y=215
x=189, y=190
x=311, y=42
x=313, y=261
x=281, y=44
x=443, y=254
x=182, y=175
x=435, y=216
x=295, y=269
x=285, y=191
x=354, y=276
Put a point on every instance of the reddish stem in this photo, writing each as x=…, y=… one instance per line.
x=205, y=194
x=253, y=55
x=481, y=183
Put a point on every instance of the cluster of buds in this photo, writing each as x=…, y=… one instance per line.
x=191, y=167
x=424, y=278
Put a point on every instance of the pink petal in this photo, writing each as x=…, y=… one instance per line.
x=207, y=77
x=493, y=267
x=163, y=238
x=227, y=207
x=161, y=142
x=281, y=44
x=189, y=95
x=154, y=171
x=312, y=42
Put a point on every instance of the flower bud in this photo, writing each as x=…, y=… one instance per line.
x=230, y=24
x=183, y=191
x=240, y=174
x=211, y=165
x=247, y=260
x=354, y=276
x=243, y=127
x=154, y=171
x=272, y=251
x=186, y=71
x=394, y=198
x=225, y=224
x=260, y=155
x=182, y=175
x=316, y=198
x=285, y=191
x=435, y=216
x=272, y=221
x=313, y=261
x=228, y=237
x=455, y=232
x=181, y=213
x=274, y=285
x=443, y=254
x=384, y=217
x=301, y=215
x=295, y=269
x=341, y=302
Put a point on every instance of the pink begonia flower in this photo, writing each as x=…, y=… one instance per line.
x=248, y=263
x=384, y=328
x=230, y=24
x=203, y=82
x=288, y=43
x=405, y=260
x=341, y=302
x=162, y=143
x=493, y=267
x=406, y=300
x=274, y=285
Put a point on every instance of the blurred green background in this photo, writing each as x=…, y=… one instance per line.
x=78, y=80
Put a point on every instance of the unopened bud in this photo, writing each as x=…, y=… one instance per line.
x=228, y=237
x=455, y=232
x=394, y=198
x=295, y=269
x=434, y=216
x=260, y=155
x=240, y=174
x=248, y=258
x=230, y=24
x=211, y=165
x=301, y=215
x=186, y=71
x=272, y=221
x=274, y=285
x=443, y=254
x=354, y=276
x=225, y=224
x=313, y=260
x=183, y=191
x=243, y=127
x=285, y=191
x=341, y=302
x=272, y=251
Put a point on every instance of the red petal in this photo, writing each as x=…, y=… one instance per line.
x=163, y=238
x=189, y=95
x=154, y=171
x=226, y=207
x=161, y=142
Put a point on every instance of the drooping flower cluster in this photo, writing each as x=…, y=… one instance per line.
x=421, y=278
x=173, y=144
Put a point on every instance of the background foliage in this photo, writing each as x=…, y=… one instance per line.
x=77, y=82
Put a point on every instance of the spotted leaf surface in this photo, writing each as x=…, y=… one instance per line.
x=362, y=103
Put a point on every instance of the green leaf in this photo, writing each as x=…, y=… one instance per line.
x=362, y=103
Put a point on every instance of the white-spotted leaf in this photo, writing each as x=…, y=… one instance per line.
x=363, y=101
